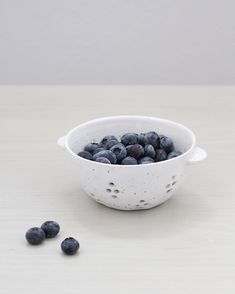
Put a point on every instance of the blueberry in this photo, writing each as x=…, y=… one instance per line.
x=173, y=154
x=129, y=161
x=149, y=151
x=120, y=151
x=110, y=144
x=70, y=246
x=50, y=228
x=146, y=160
x=152, y=138
x=104, y=141
x=166, y=144
x=136, y=151
x=91, y=147
x=103, y=160
x=107, y=154
x=141, y=139
x=35, y=236
x=160, y=155
x=129, y=139
x=85, y=154
x=98, y=150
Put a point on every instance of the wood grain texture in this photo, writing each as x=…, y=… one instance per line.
x=185, y=246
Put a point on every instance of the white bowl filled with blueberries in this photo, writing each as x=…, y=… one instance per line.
x=131, y=162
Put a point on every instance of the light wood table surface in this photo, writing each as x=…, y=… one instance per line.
x=186, y=246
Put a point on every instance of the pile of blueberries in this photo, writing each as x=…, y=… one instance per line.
x=50, y=229
x=133, y=149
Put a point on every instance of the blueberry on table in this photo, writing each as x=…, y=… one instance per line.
x=107, y=154
x=149, y=151
x=136, y=151
x=146, y=160
x=129, y=161
x=105, y=140
x=70, y=246
x=160, y=155
x=173, y=154
x=91, y=147
x=35, y=236
x=129, y=139
x=120, y=151
x=50, y=228
x=141, y=139
x=103, y=160
x=85, y=154
x=110, y=144
x=152, y=138
x=166, y=144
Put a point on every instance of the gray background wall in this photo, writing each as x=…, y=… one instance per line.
x=117, y=42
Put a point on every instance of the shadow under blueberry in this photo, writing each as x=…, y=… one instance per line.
x=180, y=213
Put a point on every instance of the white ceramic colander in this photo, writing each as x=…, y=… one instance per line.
x=135, y=186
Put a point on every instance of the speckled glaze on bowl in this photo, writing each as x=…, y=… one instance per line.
x=136, y=186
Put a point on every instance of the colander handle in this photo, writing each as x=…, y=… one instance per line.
x=197, y=155
x=61, y=142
